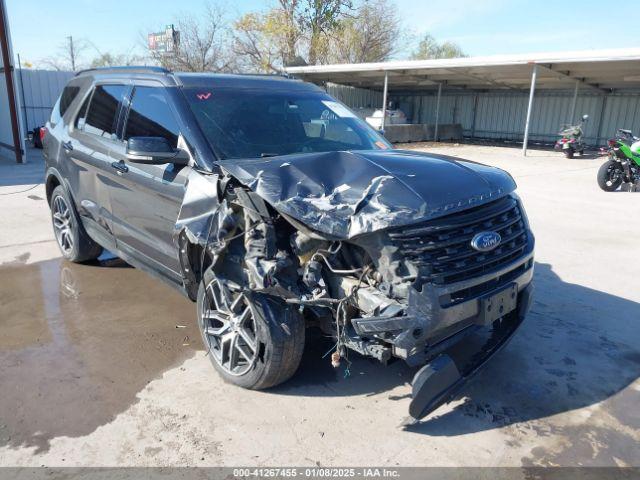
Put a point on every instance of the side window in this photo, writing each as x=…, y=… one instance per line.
x=68, y=95
x=103, y=109
x=82, y=114
x=150, y=116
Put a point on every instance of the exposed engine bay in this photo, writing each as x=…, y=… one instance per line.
x=383, y=272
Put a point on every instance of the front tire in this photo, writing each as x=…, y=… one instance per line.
x=73, y=241
x=610, y=176
x=253, y=340
x=569, y=153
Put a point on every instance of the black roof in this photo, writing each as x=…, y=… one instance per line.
x=219, y=80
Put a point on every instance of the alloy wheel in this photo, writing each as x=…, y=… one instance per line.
x=62, y=224
x=228, y=325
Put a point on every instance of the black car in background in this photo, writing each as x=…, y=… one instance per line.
x=274, y=207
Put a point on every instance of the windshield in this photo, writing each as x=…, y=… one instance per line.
x=256, y=123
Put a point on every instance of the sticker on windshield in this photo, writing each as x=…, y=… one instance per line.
x=339, y=110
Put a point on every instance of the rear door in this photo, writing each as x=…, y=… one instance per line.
x=87, y=146
x=146, y=199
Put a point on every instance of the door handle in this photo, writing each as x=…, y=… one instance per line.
x=121, y=167
x=67, y=145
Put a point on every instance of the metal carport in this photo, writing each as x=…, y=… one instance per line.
x=598, y=72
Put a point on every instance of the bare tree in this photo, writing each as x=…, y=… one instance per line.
x=370, y=35
x=203, y=45
x=69, y=55
x=108, y=59
x=292, y=29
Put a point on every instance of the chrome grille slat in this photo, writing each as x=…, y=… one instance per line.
x=442, y=250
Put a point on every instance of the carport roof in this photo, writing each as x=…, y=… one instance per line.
x=597, y=70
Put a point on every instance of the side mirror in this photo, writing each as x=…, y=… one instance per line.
x=155, y=151
x=585, y=117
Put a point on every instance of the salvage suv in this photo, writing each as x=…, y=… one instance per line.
x=274, y=207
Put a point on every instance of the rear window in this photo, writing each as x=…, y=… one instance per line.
x=68, y=96
x=62, y=105
x=103, y=109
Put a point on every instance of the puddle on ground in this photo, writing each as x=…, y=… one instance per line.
x=79, y=342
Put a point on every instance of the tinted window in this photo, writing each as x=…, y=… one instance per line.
x=63, y=102
x=101, y=118
x=68, y=95
x=257, y=123
x=150, y=116
x=82, y=114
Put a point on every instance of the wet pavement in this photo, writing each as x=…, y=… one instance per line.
x=93, y=370
x=80, y=341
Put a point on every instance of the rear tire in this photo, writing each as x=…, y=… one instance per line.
x=266, y=333
x=610, y=176
x=73, y=241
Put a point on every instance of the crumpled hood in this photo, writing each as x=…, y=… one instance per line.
x=345, y=194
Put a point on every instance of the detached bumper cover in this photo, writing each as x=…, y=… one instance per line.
x=440, y=379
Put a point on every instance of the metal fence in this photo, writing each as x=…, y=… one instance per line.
x=501, y=115
x=38, y=91
x=494, y=115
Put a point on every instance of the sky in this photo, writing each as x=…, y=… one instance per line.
x=480, y=27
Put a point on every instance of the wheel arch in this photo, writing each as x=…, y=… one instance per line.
x=51, y=182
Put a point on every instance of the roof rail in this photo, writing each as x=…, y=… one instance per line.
x=129, y=69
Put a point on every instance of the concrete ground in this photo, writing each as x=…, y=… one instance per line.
x=102, y=365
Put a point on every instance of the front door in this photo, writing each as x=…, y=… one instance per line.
x=146, y=199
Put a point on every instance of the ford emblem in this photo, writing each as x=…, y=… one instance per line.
x=486, y=241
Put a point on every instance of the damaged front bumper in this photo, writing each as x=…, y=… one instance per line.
x=451, y=330
x=469, y=350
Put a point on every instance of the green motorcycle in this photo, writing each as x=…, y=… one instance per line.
x=623, y=165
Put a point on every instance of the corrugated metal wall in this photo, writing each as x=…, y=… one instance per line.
x=38, y=91
x=357, y=98
x=501, y=115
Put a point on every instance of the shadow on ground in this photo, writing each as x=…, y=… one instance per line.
x=24, y=175
x=80, y=341
x=576, y=348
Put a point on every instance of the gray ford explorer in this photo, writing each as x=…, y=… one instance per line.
x=275, y=208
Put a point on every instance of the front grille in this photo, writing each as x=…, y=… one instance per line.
x=441, y=248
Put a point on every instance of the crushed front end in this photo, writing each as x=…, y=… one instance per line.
x=427, y=259
x=428, y=297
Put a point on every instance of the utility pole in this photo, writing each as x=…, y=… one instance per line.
x=72, y=53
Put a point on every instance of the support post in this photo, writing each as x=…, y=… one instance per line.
x=435, y=130
x=473, y=120
x=573, y=103
x=384, y=100
x=532, y=90
x=8, y=76
x=601, y=118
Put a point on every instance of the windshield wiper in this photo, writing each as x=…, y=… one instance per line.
x=267, y=154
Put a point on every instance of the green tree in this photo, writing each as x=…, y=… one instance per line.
x=319, y=18
x=369, y=35
x=429, y=48
x=265, y=42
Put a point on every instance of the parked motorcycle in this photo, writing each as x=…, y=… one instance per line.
x=623, y=164
x=571, y=139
